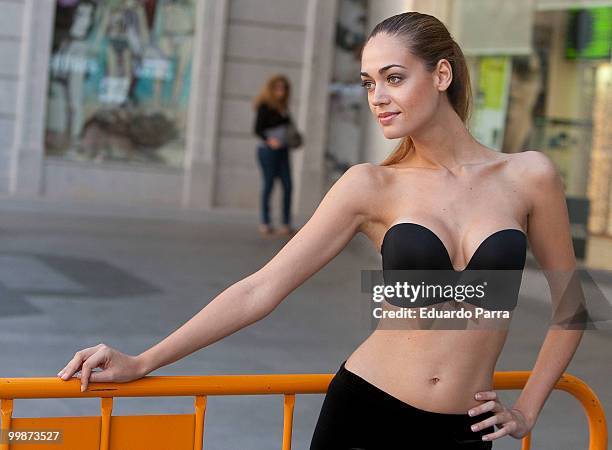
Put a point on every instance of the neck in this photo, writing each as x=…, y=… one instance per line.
x=444, y=143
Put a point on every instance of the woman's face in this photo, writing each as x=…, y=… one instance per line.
x=279, y=90
x=405, y=87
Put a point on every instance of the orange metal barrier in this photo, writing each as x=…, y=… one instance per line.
x=185, y=431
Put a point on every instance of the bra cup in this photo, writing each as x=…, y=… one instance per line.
x=503, y=251
x=410, y=248
x=413, y=253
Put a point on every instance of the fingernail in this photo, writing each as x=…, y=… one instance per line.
x=471, y=413
x=473, y=427
x=82, y=388
x=59, y=374
x=477, y=395
x=485, y=438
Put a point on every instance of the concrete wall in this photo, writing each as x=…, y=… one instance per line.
x=258, y=44
x=292, y=37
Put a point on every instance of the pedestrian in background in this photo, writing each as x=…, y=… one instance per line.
x=271, y=121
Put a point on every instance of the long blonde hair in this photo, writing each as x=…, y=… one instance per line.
x=266, y=95
x=428, y=39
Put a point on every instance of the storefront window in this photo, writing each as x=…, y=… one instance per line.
x=119, y=80
x=555, y=96
x=560, y=105
x=571, y=114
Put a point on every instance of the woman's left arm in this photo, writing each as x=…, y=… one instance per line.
x=550, y=242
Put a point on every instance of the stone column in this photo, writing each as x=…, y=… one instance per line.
x=309, y=164
x=204, y=104
x=27, y=156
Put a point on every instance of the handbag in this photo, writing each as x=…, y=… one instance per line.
x=287, y=133
x=294, y=138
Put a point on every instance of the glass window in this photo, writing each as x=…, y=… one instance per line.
x=119, y=80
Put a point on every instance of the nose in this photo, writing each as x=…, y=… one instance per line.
x=379, y=97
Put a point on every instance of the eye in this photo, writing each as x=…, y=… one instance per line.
x=366, y=84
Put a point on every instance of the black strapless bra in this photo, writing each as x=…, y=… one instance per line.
x=411, y=246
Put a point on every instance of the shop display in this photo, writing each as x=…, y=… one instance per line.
x=116, y=62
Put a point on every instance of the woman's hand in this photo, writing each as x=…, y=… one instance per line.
x=273, y=142
x=509, y=421
x=116, y=366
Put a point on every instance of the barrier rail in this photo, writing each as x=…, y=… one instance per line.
x=185, y=431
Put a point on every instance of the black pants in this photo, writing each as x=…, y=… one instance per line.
x=356, y=415
x=274, y=163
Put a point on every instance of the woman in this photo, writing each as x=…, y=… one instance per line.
x=272, y=113
x=419, y=383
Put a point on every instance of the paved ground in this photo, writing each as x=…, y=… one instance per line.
x=69, y=281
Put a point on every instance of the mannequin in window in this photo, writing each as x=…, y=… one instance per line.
x=124, y=25
x=70, y=65
x=525, y=86
x=173, y=31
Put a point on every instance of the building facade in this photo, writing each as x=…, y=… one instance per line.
x=149, y=102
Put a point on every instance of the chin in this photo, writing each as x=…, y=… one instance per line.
x=393, y=133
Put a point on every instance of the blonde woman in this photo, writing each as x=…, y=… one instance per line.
x=441, y=200
x=272, y=116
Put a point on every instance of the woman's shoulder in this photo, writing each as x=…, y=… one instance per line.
x=533, y=175
x=356, y=189
x=532, y=167
x=264, y=108
x=535, y=161
x=363, y=180
x=365, y=173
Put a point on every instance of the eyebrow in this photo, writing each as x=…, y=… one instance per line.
x=381, y=70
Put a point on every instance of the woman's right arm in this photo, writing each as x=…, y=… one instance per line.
x=336, y=220
x=260, y=121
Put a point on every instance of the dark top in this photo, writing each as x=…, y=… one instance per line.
x=412, y=253
x=267, y=117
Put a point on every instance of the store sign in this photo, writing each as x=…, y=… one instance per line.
x=589, y=34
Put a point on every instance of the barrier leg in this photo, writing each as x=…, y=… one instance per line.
x=6, y=408
x=200, y=411
x=288, y=420
x=107, y=408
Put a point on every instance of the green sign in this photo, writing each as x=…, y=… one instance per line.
x=589, y=33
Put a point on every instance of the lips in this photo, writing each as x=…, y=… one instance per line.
x=386, y=114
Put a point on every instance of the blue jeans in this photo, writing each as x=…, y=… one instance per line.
x=274, y=163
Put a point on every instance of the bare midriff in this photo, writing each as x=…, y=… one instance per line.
x=434, y=370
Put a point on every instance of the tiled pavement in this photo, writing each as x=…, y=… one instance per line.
x=70, y=280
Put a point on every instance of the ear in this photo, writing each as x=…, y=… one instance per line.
x=443, y=75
